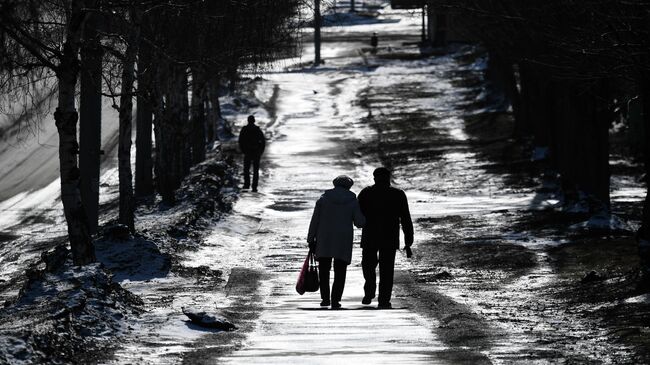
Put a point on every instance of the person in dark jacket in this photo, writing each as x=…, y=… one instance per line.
x=251, y=143
x=331, y=234
x=374, y=41
x=385, y=209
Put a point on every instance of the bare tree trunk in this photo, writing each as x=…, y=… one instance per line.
x=222, y=128
x=232, y=78
x=162, y=131
x=169, y=137
x=352, y=9
x=563, y=139
x=643, y=239
x=317, y=39
x=522, y=125
x=166, y=147
x=83, y=251
x=127, y=205
x=501, y=75
x=211, y=115
x=536, y=105
x=590, y=146
x=90, y=121
x=143, y=152
x=423, y=35
x=198, y=116
x=185, y=125
x=643, y=234
x=600, y=108
x=644, y=230
x=582, y=140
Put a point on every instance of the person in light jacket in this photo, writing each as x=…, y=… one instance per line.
x=331, y=235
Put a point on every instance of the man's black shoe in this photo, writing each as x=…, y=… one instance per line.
x=384, y=306
x=325, y=303
x=254, y=190
x=245, y=187
x=336, y=305
x=366, y=300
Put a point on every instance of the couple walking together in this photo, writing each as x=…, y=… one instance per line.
x=379, y=210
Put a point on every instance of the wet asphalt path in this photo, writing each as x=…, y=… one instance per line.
x=315, y=125
x=317, y=121
x=314, y=136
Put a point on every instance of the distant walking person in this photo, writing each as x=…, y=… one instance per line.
x=251, y=143
x=374, y=41
x=385, y=208
x=331, y=235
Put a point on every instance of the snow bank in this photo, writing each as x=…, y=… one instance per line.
x=68, y=314
x=64, y=310
x=603, y=222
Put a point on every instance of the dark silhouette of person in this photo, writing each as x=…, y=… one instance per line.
x=385, y=209
x=252, y=144
x=331, y=236
x=374, y=41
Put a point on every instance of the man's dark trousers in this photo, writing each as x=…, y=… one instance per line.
x=385, y=257
x=340, y=270
x=255, y=160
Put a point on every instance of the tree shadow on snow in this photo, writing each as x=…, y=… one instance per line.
x=135, y=259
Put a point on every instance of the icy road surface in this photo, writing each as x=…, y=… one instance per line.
x=313, y=142
x=314, y=123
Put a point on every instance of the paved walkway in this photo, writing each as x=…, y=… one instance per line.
x=294, y=330
x=315, y=122
x=315, y=129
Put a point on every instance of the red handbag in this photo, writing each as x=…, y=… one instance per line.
x=308, y=278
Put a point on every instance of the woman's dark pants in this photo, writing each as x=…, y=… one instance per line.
x=340, y=269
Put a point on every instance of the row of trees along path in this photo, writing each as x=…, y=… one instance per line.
x=563, y=65
x=155, y=51
x=568, y=68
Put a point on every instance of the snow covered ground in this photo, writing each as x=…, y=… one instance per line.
x=30, y=204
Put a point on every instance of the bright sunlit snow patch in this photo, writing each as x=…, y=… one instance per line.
x=629, y=194
x=603, y=222
x=459, y=156
x=44, y=201
x=640, y=299
x=459, y=134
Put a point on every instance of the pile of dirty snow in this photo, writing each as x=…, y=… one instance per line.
x=64, y=313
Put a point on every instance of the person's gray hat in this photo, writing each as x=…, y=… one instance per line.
x=343, y=181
